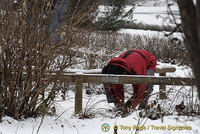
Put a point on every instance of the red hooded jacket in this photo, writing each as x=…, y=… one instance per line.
x=136, y=62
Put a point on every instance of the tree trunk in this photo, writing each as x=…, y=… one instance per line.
x=190, y=16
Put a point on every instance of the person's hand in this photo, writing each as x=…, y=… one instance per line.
x=122, y=110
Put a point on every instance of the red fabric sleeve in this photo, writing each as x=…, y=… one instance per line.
x=118, y=93
x=152, y=62
x=140, y=94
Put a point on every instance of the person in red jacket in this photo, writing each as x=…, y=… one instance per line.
x=131, y=62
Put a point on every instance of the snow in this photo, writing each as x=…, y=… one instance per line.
x=163, y=65
x=148, y=15
x=84, y=71
x=66, y=122
x=151, y=14
x=181, y=71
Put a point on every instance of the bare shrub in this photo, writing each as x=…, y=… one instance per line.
x=181, y=101
x=102, y=46
x=91, y=109
x=83, y=10
x=32, y=47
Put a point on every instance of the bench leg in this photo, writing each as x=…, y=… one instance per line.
x=162, y=94
x=78, y=93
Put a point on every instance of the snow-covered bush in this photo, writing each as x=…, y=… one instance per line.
x=34, y=43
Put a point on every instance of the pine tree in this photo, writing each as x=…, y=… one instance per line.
x=115, y=15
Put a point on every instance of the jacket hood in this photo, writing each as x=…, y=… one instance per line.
x=121, y=62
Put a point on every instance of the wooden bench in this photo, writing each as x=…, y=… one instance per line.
x=93, y=76
x=162, y=70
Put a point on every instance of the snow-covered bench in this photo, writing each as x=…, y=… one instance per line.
x=93, y=76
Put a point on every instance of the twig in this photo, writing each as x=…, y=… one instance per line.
x=40, y=123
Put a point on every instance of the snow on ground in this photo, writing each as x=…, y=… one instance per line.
x=151, y=13
x=66, y=122
x=149, y=33
x=148, y=15
x=88, y=126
